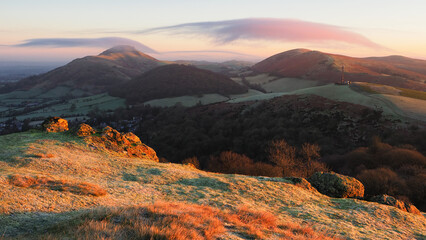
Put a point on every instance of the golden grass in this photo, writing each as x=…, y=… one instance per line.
x=43, y=155
x=385, y=89
x=412, y=93
x=174, y=220
x=81, y=188
x=366, y=88
x=134, y=183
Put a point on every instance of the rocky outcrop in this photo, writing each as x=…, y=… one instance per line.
x=337, y=185
x=391, y=201
x=55, y=124
x=128, y=144
x=301, y=182
x=84, y=130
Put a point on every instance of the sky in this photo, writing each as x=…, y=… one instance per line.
x=48, y=30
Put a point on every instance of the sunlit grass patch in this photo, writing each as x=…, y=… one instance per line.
x=412, y=93
x=173, y=220
x=81, y=188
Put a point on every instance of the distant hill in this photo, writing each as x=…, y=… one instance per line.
x=228, y=68
x=173, y=81
x=395, y=71
x=93, y=73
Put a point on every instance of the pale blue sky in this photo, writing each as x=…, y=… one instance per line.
x=397, y=25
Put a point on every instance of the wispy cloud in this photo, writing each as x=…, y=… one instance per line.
x=105, y=42
x=267, y=29
x=212, y=51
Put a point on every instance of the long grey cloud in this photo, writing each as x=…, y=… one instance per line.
x=105, y=42
x=267, y=29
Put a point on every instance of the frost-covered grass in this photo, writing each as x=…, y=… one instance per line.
x=132, y=182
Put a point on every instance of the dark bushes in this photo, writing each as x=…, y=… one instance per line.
x=286, y=161
x=230, y=162
x=385, y=169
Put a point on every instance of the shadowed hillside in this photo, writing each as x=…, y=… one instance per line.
x=302, y=63
x=173, y=81
x=92, y=73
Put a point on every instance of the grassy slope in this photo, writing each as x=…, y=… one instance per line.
x=187, y=101
x=131, y=181
x=398, y=106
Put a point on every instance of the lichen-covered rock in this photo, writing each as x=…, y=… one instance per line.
x=113, y=136
x=55, y=124
x=391, y=201
x=128, y=144
x=301, y=182
x=141, y=150
x=132, y=138
x=337, y=185
x=84, y=130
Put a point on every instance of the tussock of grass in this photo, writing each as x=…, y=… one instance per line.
x=81, y=188
x=173, y=220
x=43, y=155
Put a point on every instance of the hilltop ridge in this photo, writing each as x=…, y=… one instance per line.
x=93, y=74
x=395, y=71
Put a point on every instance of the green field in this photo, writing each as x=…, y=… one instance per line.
x=37, y=104
x=187, y=101
x=397, y=106
x=288, y=85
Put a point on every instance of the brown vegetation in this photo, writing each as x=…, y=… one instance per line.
x=81, y=188
x=230, y=162
x=385, y=169
x=181, y=221
x=296, y=163
x=193, y=161
x=44, y=155
x=287, y=162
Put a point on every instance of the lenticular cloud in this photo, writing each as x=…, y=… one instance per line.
x=85, y=42
x=267, y=29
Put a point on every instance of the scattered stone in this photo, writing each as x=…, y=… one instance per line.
x=337, y=185
x=55, y=124
x=301, y=182
x=84, y=130
x=391, y=201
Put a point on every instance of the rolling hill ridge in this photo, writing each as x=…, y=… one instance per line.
x=93, y=74
x=175, y=80
x=395, y=71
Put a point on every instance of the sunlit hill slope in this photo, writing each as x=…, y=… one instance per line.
x=60, y=185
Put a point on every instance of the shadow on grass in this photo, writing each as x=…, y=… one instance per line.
x=205, y=182
x=13, y=146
